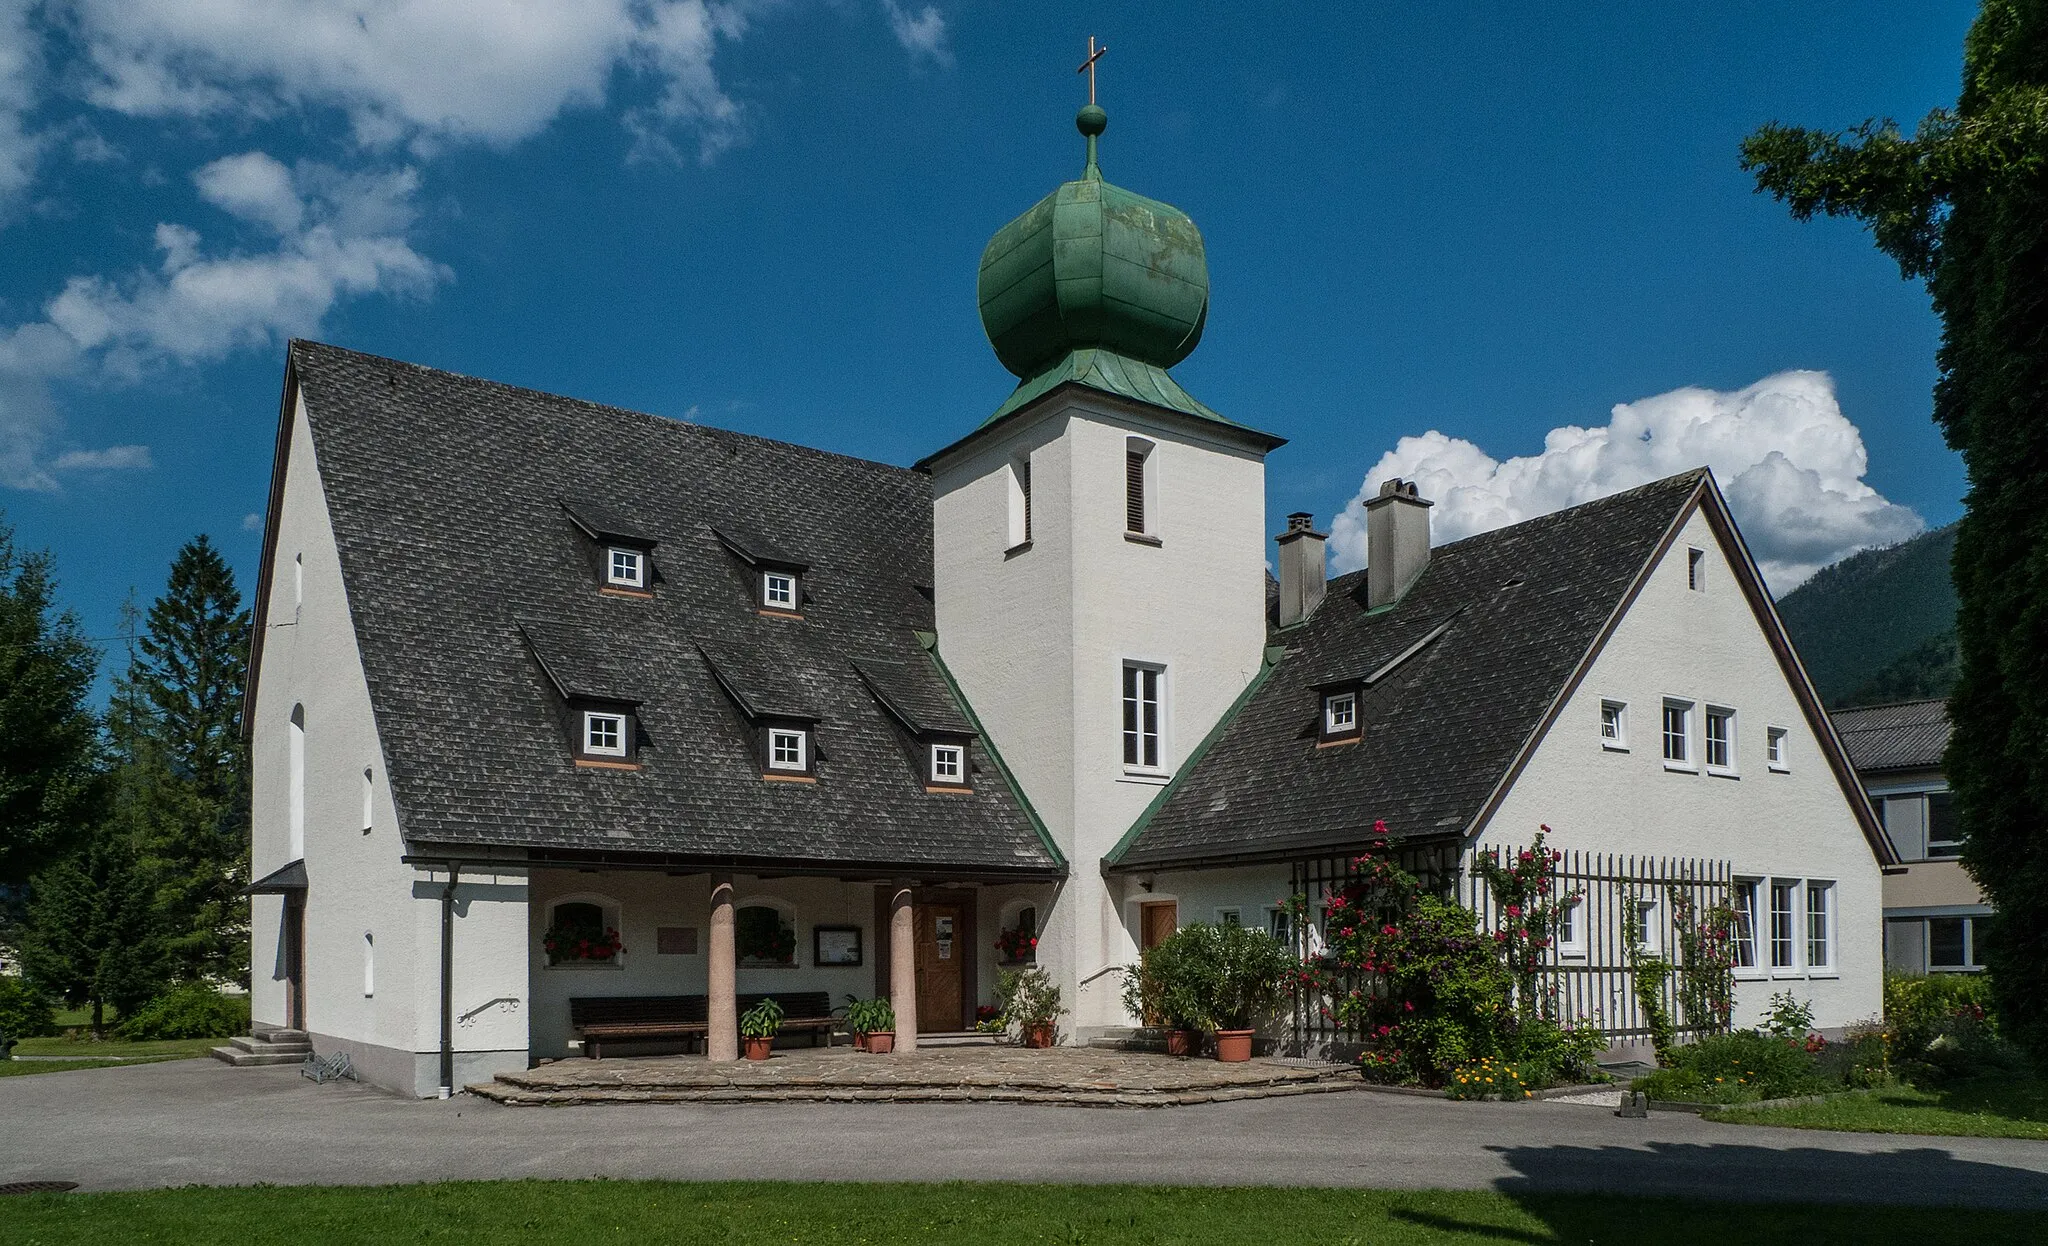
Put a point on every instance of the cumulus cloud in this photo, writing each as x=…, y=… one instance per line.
x=335, y=235
x=922, y=34
x=1790, y=463
x=20, y=70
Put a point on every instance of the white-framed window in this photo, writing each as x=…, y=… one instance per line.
x=788, y=748
x=949, y=763
x=1720, y=739
x=369, y=964
x=1777, y=741
x=1232, y=916
x=604, y=733
x=298, y=582
x=778, y=590
x=625, y=568
x=1646, y=928
x=1340, y=713
x=1614, y=725
x=1943, y=839
x=297, y=787
x=1280, y=924
x=1784, y=928
x=1745, y=924
x=1952, y=945
x=1143, y=704
x=1571, y=927
x=369, y=801
x=1138, y=489
x=1820, y=926
x=1678, y=734
x=1696, y=569
x=1020, y=501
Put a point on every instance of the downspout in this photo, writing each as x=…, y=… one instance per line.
x=448, y=982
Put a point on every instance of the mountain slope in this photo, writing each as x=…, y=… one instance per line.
x=1879, y=622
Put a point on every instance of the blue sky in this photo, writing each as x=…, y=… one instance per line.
x=1434, y=237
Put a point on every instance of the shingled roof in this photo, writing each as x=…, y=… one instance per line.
x=1903, y=735
x=1497, y=625
x=464, y=511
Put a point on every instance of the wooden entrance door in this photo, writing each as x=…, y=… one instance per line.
x=294, y=963
x=1157, y=920
x=942, y=950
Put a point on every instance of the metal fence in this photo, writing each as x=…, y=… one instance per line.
x=1588, y=976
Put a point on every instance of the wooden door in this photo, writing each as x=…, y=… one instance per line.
x=294, y=963
x=942, y=949
x=1157, y=920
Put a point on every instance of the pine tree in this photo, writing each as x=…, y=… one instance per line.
x=181, y=775
x=50, y=781
x=1963, y=205
x=92, y=934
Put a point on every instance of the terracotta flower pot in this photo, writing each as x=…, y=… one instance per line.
x=882, y=1042
x=1183, y=1042
x=860, y=1040
x=1038, y=1035
x=1234, y=1046
x=758, y=1048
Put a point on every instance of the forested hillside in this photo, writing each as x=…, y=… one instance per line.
x=1880, y=625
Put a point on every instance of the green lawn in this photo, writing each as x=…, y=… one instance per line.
x=637, y=1213
x=1985, y=1107
x=86, y=1049
x=28, y=1068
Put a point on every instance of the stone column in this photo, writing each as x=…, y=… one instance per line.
x=903, y=966
x=722, y=1041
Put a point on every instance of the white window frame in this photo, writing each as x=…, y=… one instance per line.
x=591, y=718
x=1751, y=939
x=1614, y=714
x=369, y=964
x=1727, y=765
x=1571, y=928
x=1778, y=749
x=1824, y=966
x=1695, y=569
x=1344, y=704
x=1649, y=931
x=1136, y=761
x=776, y=735
x=787, y=594
x=1795, y=925
x=1230, y=915
x=369, y=801
x=941, y=755
x=1684, y=761
x=1280, y=924
x=625, y=567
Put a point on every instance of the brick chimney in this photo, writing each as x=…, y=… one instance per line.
x=1396, y=542
x=1303, y=573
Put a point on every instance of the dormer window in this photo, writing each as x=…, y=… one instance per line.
x=604, y=734
x=789, y=750
x=776, y=574
x=949, y=763
x=778, y=590
x=1340, y=723
x=625, y=568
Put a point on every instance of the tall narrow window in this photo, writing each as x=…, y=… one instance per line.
x=1020, y=501
x=1774, y=747
x=1571, y=928
x=297, y=783
x=298, y=581
x=1820, y=926
x=1784, y=928
x=1141, y=716
x=1720, y=738
x=369, y=964
x=1613, y=725
x=1745, y=923
x=1137, y=470
x=369, y=802
x=1943, y=840
x=1696, y=569
x=1678, y=732
x=1647, y=928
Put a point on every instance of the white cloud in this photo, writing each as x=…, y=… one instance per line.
x=252, y=522
x=1790, y=462
x=20, y=70
x=424, y=71
x=338, y=235
x=922, y=34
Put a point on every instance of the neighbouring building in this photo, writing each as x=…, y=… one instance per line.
x=553, y=701
x=1932, y=907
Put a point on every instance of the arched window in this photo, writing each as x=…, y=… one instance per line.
x=582, y=932
x=369, y=964
x=298, y=783
x=1017, y=944
x=764, y=934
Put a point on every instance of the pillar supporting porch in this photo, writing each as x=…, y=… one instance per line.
x=903, y=965
x=722, y=1037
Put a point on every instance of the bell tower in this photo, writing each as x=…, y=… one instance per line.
x=1099, y=568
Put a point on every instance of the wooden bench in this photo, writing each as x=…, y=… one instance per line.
x=598, y=1019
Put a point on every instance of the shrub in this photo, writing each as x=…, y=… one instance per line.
x=1488, y=1078
x=1163, y=987
x=194, y=1010
x=24, y=1011
x=1787, y=1017
x=1545, y=1053
x=1223, y=977
x=1738, y=1068
x=1030, y=998
x=870, y=1016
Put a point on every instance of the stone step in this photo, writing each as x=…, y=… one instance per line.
x=514, y=1096
x=961, y=1038
x=257, y=1059
x=262, y=1046
x=278, y=1034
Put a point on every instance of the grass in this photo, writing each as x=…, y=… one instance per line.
x=1993, y=1106
x=742, y=1213
x=86, y=1049
x=28, y=1068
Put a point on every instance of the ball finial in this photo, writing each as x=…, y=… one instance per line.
x=1091, y=120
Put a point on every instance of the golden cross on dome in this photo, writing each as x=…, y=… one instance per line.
x=1088, y=66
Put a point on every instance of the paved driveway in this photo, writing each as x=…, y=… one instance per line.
x=198, y=1121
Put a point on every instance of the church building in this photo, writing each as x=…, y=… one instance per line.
x=553, y=702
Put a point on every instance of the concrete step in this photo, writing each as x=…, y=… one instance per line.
x=278, y=1034
x=263, y=1046
x=256, y=1059
x=961, y=1038
x=516, y=1096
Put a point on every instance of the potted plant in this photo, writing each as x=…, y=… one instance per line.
x=1031, y=1002
x=758, y=1027
x=1158, y=992
x=1235, y=976
x=1016, y=947
x=873, y=1022
x=571, y=941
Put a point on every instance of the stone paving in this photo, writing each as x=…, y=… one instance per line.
x=1069, y=1075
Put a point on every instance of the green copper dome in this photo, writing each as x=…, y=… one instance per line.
x=1093, y=267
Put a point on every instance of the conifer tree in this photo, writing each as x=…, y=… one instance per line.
x=50, y=783
x=1963, y=205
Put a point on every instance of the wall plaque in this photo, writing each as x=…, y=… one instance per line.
x=834, y=946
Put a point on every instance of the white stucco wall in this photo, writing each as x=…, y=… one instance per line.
x=1707, y=648
x=1038, y=638
x=357, y=884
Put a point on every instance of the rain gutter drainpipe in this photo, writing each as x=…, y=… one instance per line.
x=448, y=981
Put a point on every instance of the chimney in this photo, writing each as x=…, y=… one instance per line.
x=1396, y=542
x=1302, y=572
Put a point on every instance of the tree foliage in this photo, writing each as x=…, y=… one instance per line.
x=1963, y=205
